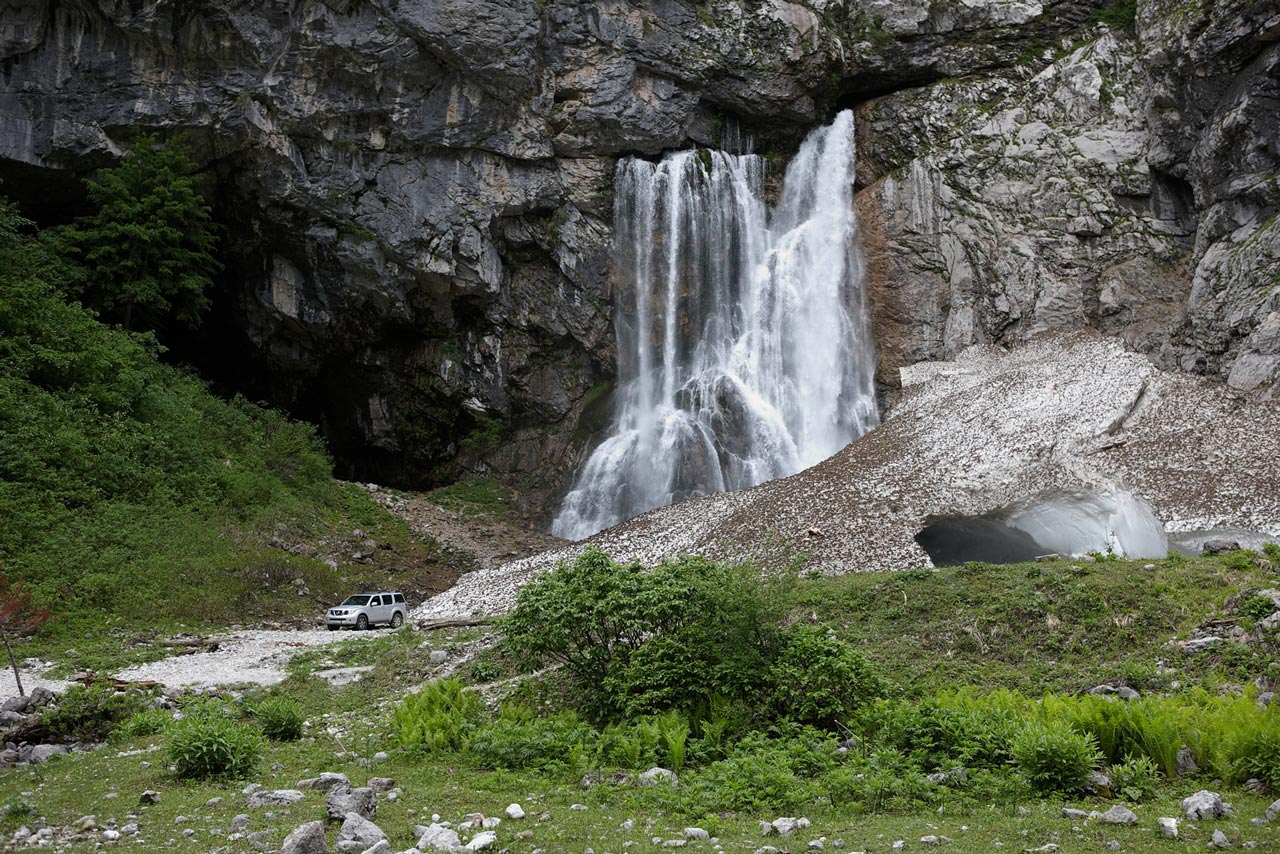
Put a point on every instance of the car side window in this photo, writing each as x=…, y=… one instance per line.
x=399, y=598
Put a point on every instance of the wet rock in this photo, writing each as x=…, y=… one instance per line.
x=1218, y=547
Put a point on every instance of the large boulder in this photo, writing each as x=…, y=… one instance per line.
x=307, y=839
x=343, y=800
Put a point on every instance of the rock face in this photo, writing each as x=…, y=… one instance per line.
x=1129, y=186
x=418, y=195
x=1079, y=415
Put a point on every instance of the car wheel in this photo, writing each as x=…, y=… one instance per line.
x=397, y=620
x=362, y=622
x=332, y=628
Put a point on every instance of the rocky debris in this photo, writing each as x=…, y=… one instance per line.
x=515, y=812
x=939, y=452
x=1067, y=812
x=481, y=841
x=1220, y=840
x=344, y=799
x=41, y=753
x=658, y=776
x=307, y=839
x=277, y=798
x=358, y=833
x=1118, y=815
x=934, y=840
x=1205, y=804
x=1273, y=811
x=1124, y=692
x=1168, y=827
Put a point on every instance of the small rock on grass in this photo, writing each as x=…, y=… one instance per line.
x=1119, y=815
x=437, y=837
x=482, y=841
x=1168, y=827
x=1205, y=804
x=1273, y=811
x=658, y=776
x=277, y=798
x=515, y=812
x=344, y=799
x=696, y=833
x=1220, y=840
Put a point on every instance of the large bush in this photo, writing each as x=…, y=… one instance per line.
x=1054, y=757
x=818, y=679
x=204, y=745
x=639, y=641
x=89, y=713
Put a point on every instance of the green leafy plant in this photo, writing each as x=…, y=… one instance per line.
x=212, y=745
x=518, y=739
x=1054, y=757
x=1136, y=778
x=439, y=717
x=1272, y=551
x=281, y=718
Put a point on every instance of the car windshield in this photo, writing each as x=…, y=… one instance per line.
x=356, y=600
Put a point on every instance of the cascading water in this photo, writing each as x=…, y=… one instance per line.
x=743, y=348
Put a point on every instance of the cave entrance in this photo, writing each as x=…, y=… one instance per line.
x=954, y=540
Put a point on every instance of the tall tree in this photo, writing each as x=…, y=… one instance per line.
x=146, y=252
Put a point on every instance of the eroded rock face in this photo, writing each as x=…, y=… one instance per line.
x=1129, y=186
x=418, y=194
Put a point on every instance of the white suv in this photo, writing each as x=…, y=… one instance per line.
x=365, y=610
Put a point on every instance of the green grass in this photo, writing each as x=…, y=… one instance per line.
x=1061, y=625
x=474, y=497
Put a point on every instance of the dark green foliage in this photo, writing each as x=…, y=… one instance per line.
x=639, y=642
x=147, y=250
x=439, y=717
x=518, y=739
x=766, y=774
x=1054, y=757
x=144, y=723
x=818, y=679
x=118, y=472
x=1272, y=551
x=89, y=713
x=281, y=718
x=209, y=742
x=1117, y=14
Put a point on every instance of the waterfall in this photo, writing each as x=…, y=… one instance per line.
x=743, y=345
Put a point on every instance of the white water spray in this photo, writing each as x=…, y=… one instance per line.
x=743, y=346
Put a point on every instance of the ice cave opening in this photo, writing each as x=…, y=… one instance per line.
x=1066, y=524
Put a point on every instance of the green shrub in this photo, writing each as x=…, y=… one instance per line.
x=1135, y=779
x=751, y=782
x=1054, y=757
x=89, y=713
x=144, y=723
x=213, y=745
x=1272, y=551
x=637, y=642
x=818, y=679
x=517, y=739
x=280, y=717
x=440, y=717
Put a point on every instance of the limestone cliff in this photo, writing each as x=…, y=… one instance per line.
x=417, y=193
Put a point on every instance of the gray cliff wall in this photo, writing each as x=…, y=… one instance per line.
x=418, y=192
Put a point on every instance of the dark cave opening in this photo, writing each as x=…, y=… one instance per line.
x=954, y=540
